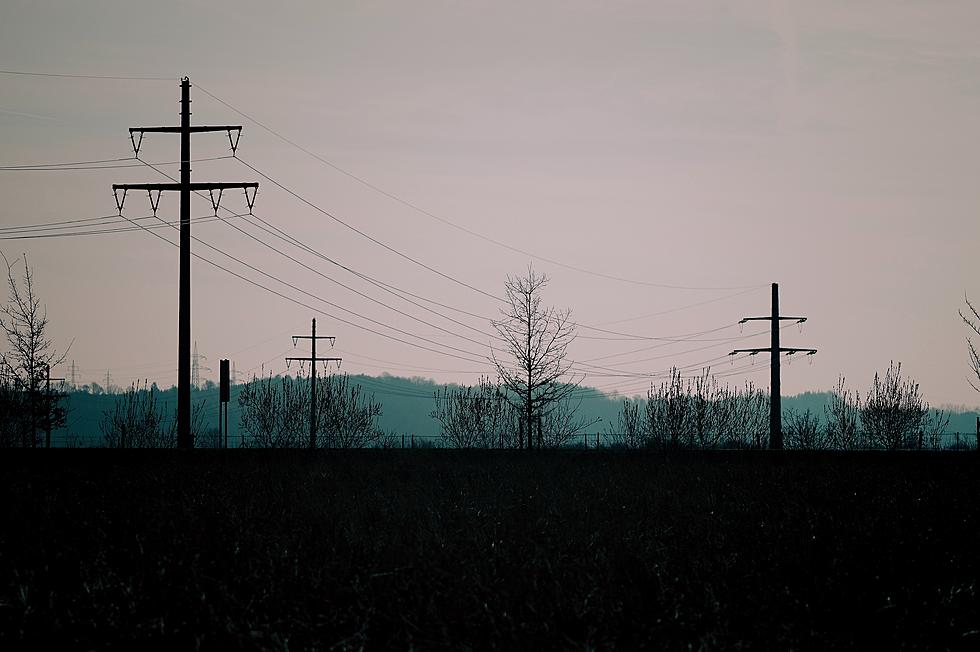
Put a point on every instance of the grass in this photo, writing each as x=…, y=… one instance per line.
x=256, y=550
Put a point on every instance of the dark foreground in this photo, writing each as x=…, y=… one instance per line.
x=433, y=549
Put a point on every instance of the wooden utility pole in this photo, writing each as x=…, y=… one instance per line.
x=313, y=337
x=184, y=187
x=775, y=398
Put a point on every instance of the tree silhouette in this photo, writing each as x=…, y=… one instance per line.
x=30, y=355
x=538, y=374
x=973, y=322
x=478, y=416
x=894, y=414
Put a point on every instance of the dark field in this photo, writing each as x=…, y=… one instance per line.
x=434, y=549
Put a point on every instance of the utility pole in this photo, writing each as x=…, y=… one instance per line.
x=313, y=337
x=48, y=397
x=184, y=187
x=775, y=400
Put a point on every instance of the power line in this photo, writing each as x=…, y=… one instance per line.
x=121, y=229
x=107, y=164
x=680, y=308
x=74, y=76
x=365, y=235
x=452, y=224
x=306, y=305
x=618, y=334
x=354, y=290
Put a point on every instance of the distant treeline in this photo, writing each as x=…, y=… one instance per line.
x=407, y=404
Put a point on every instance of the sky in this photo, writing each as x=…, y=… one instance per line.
x=662, y=162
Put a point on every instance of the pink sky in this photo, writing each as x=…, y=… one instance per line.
x=829, y=146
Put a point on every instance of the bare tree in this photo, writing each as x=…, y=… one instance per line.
x=474, y=417
x=802, y=430
x=561, y=424
x=274, y=412
x=139, y=420
x=29, y=357
x=842, y=413
x=538, y=375
x=973, y=322
x=747, y=423
x=628, y=431
x=134, y=421
x=668, y=413
x=893, y=413
x=347, y=419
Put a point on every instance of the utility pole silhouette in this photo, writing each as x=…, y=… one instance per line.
x=313, y=337
x=185, y=187
x=775, y=399
x=48, y=398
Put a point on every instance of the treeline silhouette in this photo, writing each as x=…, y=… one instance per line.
x=697, y=412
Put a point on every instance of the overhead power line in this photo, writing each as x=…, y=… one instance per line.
x=354, y=290
x=26, y=73
x=301, y=303
x=365, y=235
x=107, y=164
x=459, y=227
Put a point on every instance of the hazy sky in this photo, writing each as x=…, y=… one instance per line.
x=832, y=147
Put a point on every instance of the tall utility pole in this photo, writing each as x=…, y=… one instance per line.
x=185, y=187
x=48, y=398
x=775, y=400
x=313, y=337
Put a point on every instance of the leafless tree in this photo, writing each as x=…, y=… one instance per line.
x=748, y=417
x=474, y=417
x=538, y=375
x=668, y=413
x=893, y=413
x=347, y=418
x=561, y=424
x=843, y=430
x=139, y=420
x=272, y=412
x=802, y=430
x=972, y=320
x=933, y=427
x=30, y=355
x=628, y=431
x=135, y=420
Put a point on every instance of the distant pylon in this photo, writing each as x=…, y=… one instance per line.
x=196, y=367
x=195, y=370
